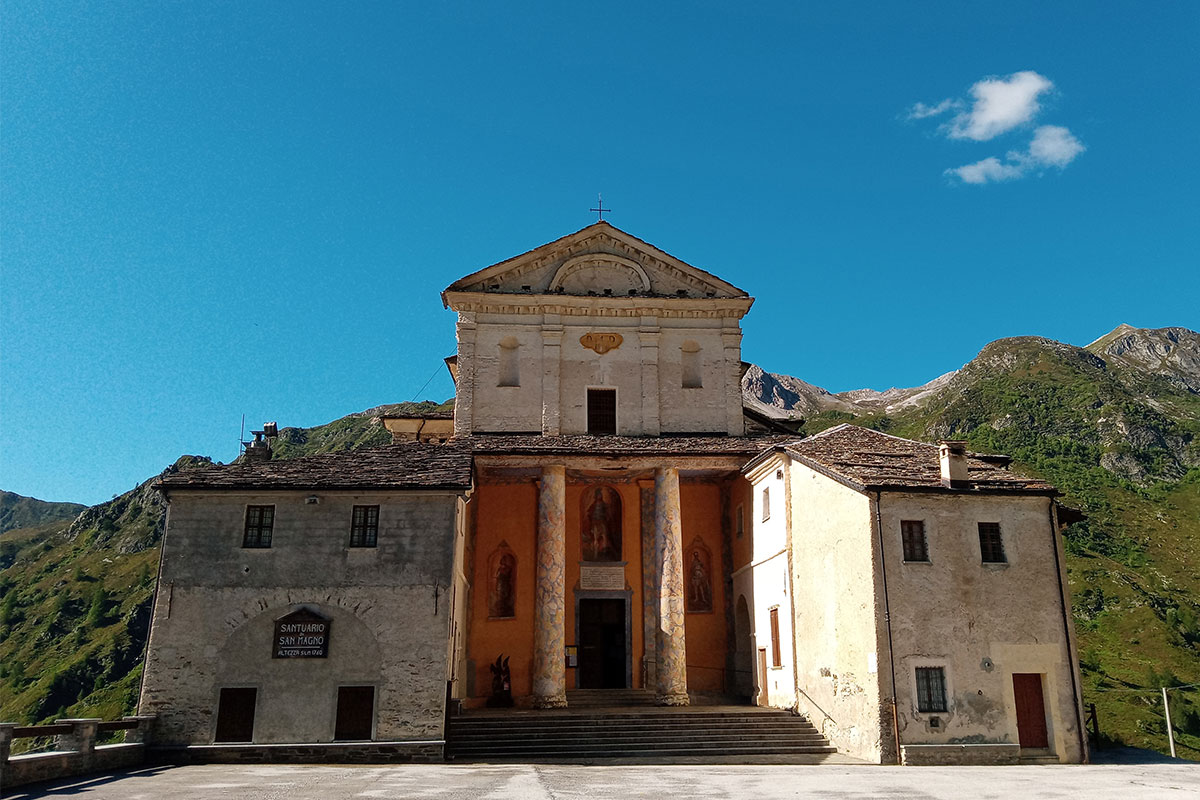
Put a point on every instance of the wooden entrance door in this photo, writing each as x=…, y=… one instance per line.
x=235, y=715
x=602, y=656
x=355, y=707
x=1031, y=710
x=763, y=698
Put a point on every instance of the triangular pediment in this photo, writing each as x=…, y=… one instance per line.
x=600, y=260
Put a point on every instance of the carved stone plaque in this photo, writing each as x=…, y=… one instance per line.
x=601, y=342
x=593, y=577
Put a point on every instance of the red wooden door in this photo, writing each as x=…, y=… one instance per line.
x=1031, y=710
x=235, y=715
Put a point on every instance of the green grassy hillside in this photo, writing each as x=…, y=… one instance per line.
x=26, y=512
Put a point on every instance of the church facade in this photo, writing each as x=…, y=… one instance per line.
x=602, y=514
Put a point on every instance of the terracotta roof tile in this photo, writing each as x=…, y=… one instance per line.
x=873, y=460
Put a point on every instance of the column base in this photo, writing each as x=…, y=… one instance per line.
x=550, y=701
x=673, y=699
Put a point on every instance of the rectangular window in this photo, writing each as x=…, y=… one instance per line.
x=259, y=522
x=991, y=548
x=776, y=653
x=741, y=522
x=602, y=412
x=766, y=503
x=931, y=689
x=913, y=533
x=364, y=527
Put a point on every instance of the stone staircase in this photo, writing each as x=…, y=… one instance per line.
x=641, y=731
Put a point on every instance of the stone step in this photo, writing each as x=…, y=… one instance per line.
x=630, y=733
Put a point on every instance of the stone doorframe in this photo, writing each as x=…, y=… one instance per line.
x=600, y=594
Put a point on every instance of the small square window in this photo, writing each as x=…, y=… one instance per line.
x=931, y=689
x=991, y=546
x=260, y=520
x=766, y=503
x=916, y=547
x=364, y=526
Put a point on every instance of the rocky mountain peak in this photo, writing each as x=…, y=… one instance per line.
x=1171, y=353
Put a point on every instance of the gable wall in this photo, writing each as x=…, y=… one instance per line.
x=979, y=622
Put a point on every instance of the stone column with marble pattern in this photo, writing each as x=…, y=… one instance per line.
x=549, y=632
x=671, y=675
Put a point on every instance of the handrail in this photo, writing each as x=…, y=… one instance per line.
x=31, y=731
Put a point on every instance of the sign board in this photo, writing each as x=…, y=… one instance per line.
x=301, y=634
x=593, y=577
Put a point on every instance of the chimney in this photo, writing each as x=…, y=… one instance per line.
x=260, y=448
x=954, y=464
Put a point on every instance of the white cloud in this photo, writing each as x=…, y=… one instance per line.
x=1052, y=146
x=989, y=169
x=921, y=111
x=1001, y=104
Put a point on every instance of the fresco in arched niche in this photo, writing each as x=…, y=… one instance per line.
x=698, y=578
x=600, y=524
x=502, y=583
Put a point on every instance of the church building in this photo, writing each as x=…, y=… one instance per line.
x=601, y=514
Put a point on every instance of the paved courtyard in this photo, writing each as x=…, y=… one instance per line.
x=571, y=782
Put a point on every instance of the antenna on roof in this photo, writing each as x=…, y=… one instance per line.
x=600, y=209
x=242, y=435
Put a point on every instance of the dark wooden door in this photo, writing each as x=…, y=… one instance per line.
x=235, y=715
x=602, y=656
x=355, y=708
x=1031, y=710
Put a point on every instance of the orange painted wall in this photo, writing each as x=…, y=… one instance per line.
x=700, y=506
x=507, y=512
x=743, y=548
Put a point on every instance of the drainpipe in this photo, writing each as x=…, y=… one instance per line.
x=887, y=619
x=1076, y=699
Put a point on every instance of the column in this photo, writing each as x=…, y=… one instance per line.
x=649, y=584
x=671, y=644
x=549, y=631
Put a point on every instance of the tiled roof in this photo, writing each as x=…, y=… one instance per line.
x=869, y=459
x=624, y=445
x=412, y=465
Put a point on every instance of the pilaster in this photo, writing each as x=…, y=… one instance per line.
x=464, y=389
x=552, y=333
x=648, y=338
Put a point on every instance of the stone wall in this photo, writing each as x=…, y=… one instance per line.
x=979, y=622
x=217, y=602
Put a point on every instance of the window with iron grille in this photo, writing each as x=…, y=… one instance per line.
x=991, y=547
x=931, y=689
x=912, y=531
x=259, y=522
x=364, y=527
x=776, y=652
x=602, y=412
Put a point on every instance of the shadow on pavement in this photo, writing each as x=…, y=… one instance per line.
x=1133, y=755
x=79, y=786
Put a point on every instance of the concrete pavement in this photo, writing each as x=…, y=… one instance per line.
x=1160, y=781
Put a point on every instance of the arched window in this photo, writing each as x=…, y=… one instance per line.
x=510, y=362
x=690, y=357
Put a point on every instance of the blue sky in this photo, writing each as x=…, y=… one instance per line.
x=218, y=209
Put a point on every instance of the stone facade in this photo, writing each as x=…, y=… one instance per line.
x=218, y=601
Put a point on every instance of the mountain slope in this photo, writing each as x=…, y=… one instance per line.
x=17, y=511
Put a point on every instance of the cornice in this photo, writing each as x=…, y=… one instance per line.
x=575, y=306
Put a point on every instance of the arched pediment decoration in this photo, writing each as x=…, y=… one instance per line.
x=600, y=274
